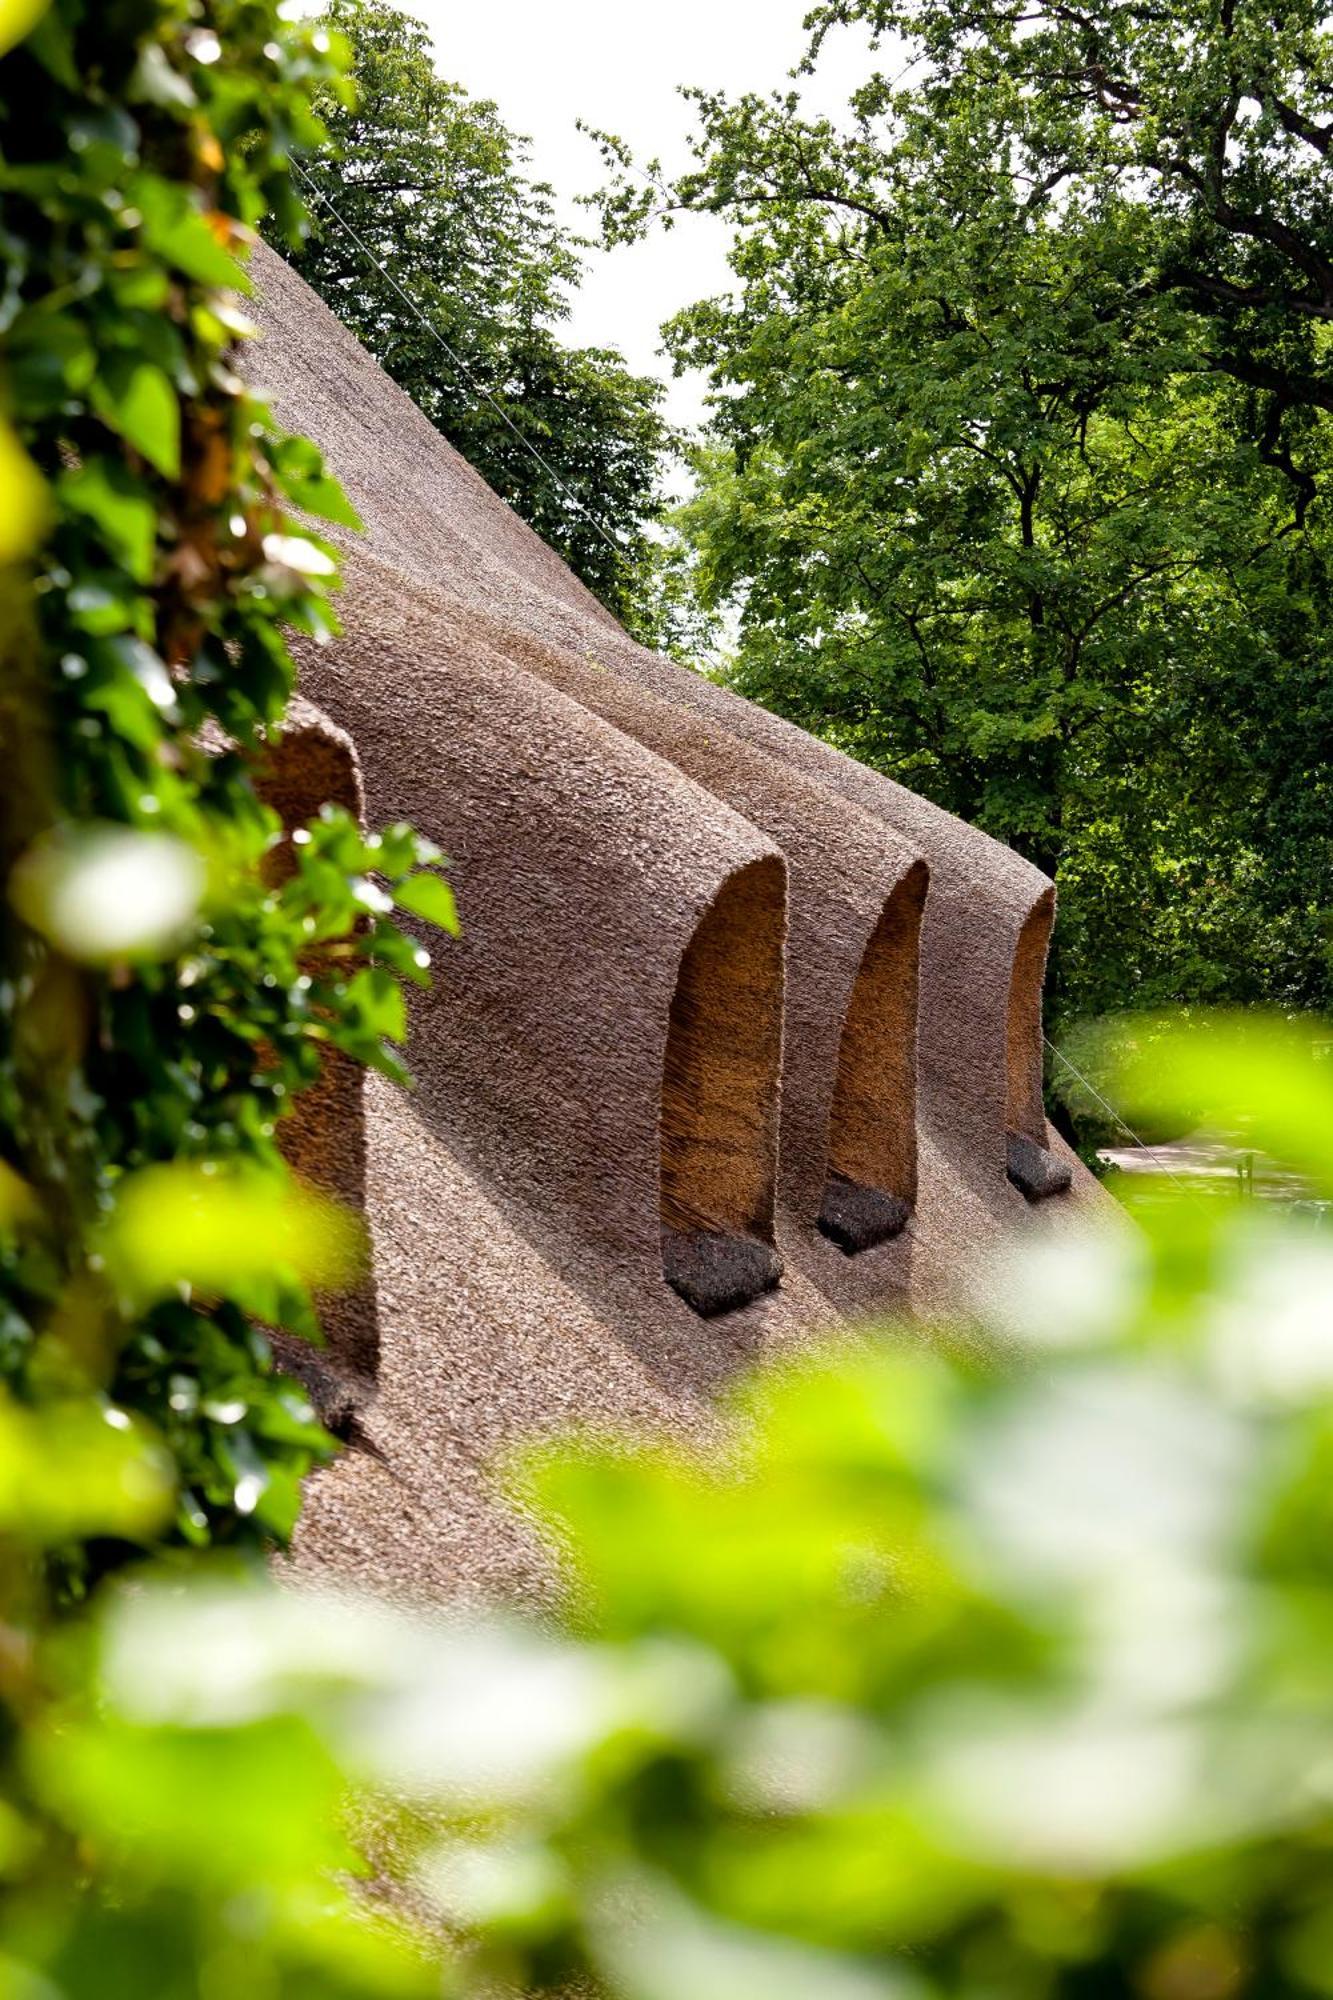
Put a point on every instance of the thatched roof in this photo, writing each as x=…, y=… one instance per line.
x=615, y=1140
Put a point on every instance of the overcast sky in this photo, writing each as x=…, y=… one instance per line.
x=616, y=65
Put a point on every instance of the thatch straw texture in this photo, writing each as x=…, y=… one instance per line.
x=615, y=1140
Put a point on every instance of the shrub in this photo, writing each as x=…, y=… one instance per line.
x=161, y=1001
x=993, y=1664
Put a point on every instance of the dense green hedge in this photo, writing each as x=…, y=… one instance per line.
x=160, y=1002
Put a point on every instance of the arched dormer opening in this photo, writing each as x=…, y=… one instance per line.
x=720, y=1088
x=870, y=1187
x=1032, y=1167
x=323, y=1137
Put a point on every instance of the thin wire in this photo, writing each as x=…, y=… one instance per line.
x=1128, y=1130
x=458, y=366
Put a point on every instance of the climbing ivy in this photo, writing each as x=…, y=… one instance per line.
x=166, y=988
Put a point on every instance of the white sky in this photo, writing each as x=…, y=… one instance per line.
x=617, y=66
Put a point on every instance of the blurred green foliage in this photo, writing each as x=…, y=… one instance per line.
x=171, y=977
x=137, y=1856
x=985, y=1662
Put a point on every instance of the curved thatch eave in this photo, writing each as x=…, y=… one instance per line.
x=598, y=1156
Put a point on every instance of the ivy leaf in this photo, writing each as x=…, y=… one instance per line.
x=137, y=400
x=176, y=231
x=17, y=18
x=22, y=499
x=324, y=498
x=226, y=1231
x=378, y=998
x=107, y=495
x=431, y=897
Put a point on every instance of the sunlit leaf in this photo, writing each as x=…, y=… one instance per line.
x=75, y=1468
x=429, y=896
x=223, y=1230
x=23, y=499
x=653, y=1944
x=378, y=998
x=256, y=1804
x=106, y=892
x=1257, y=1080
x=17, y=18
x=296, y=552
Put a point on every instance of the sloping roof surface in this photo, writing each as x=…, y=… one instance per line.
x=654, y=876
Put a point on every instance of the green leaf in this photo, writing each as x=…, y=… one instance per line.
x=324, y=498
x=378, y=998
x=176, y=231
x=68, y=1469
x=222, y=1232
x=50, y=41
x=254, y=1804
x=431, y=897
x=18, y=18
x=22, y=499
x=107, y=495
x=51, y=359
x=138, y=401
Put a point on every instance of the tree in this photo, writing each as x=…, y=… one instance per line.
x=994, y=517
x=437, y=186
x=1216, y=116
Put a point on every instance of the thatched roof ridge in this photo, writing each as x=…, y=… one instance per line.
x=602, y=1065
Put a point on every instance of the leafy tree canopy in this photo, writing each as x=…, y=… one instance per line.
x=1004, y=509
x=438, y=189
x=1215, y=116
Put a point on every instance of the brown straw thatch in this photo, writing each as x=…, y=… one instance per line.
x=741, y=1038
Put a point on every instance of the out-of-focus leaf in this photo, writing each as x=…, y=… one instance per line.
x=23, y=499
x=18, y=18
x=654, y=1945
x=1255, y=1079
x=176, y=231
x=220, y=1808
x=101, y=893
x=124, y=513
x=228, y=1652
x=429, y=896
x=299, y=553
x=74, y=1468
x=19, y=1205
x=322, y=496
x=378, y=998
x=139, y=402
x=222, y=1230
